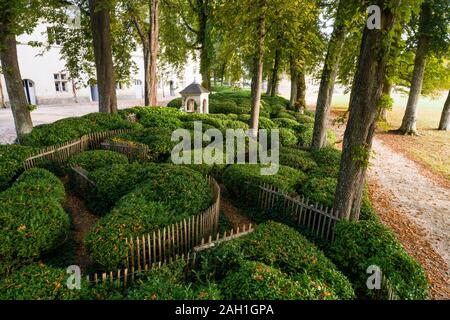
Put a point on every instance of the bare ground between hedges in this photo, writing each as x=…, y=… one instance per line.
x=83, y=221
x=233, y=214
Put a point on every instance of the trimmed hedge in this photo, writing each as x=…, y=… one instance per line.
x=93, y=160
x=322, y=191
x=168, y=283
x=175, y=103
x=153, y=120
x=167, y=194
x=158, y=141
x=240, y=180
x=286, y=123
x=281, y=247
x=73, y=128
x=32, y=218
x=288, y=137
x=297, y=159
x=257, y=281
x=305, y=135
x=12, y=158
x=360, y=244
x=37, y=282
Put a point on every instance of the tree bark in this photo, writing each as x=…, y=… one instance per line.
x=387, y=89
x=363, y=112
x=14, y=85
x=152, y=95
x=274, y=78
x=294, y=86
x=269, y=85
x=327, y=81
x=410, y=118
x=204, y=40
x=300, y=104
x=2, y=97
x=444, y=123
x=101, y=33
x=257, y=77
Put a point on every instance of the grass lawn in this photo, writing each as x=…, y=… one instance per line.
x=431, y=148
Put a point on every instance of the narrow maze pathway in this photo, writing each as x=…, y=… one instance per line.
x=234, y=215
x=83, y=221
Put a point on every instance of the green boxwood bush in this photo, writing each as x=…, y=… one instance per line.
x=322, y=191
x=152, y=120
x=303, y=118
x=286, y=123
x=37, y=282
x=158, y=141
x=360, y=244
x=305, y=135
x=297, y=159
x=281, y=247
x=167, y=195
x=96, y=159
x=12, y=158
x=257, y=281
x=240, y=180
x=168, y=283
x=73, y=128
x=288, y=137
x=175, y=103
x=32, y=218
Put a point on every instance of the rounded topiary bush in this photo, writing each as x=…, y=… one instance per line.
x=37, y=282
x=288, y=137
x=32, y=218
x=175, y=103
x=158, y=141
x=168, y=283
x=305, y=135
x=257, y=281
x=286, y=123
x=153, y=120
x=12, y=158
x=241, y=180
x=297, y=159
x=303, y=118
x=93, y=160
x=360, y=244
x=288, y=253
x=167, y=194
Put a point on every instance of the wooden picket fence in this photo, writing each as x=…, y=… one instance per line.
x=62, y=152
x=133, y=152
x=317, y=219
x=176, y=239
x=121, y=278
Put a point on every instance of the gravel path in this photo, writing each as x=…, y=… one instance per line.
x=427, y=203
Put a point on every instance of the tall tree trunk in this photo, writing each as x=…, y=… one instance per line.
x=300, y=104
x=327, y=81
x=2, y=96
x=275, y=79
x=204, y=40
x=444, y=124
x=387, y=89
x=154, y=49
x=14, y=86
x=410, y=118
x=363, y=112
x=269, y=85
x=294, y=85
x=101, y=33
x=257, y=77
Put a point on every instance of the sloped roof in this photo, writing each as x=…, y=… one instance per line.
x=194, y=88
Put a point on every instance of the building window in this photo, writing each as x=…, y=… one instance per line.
x=54, y=35
x=61, y=82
